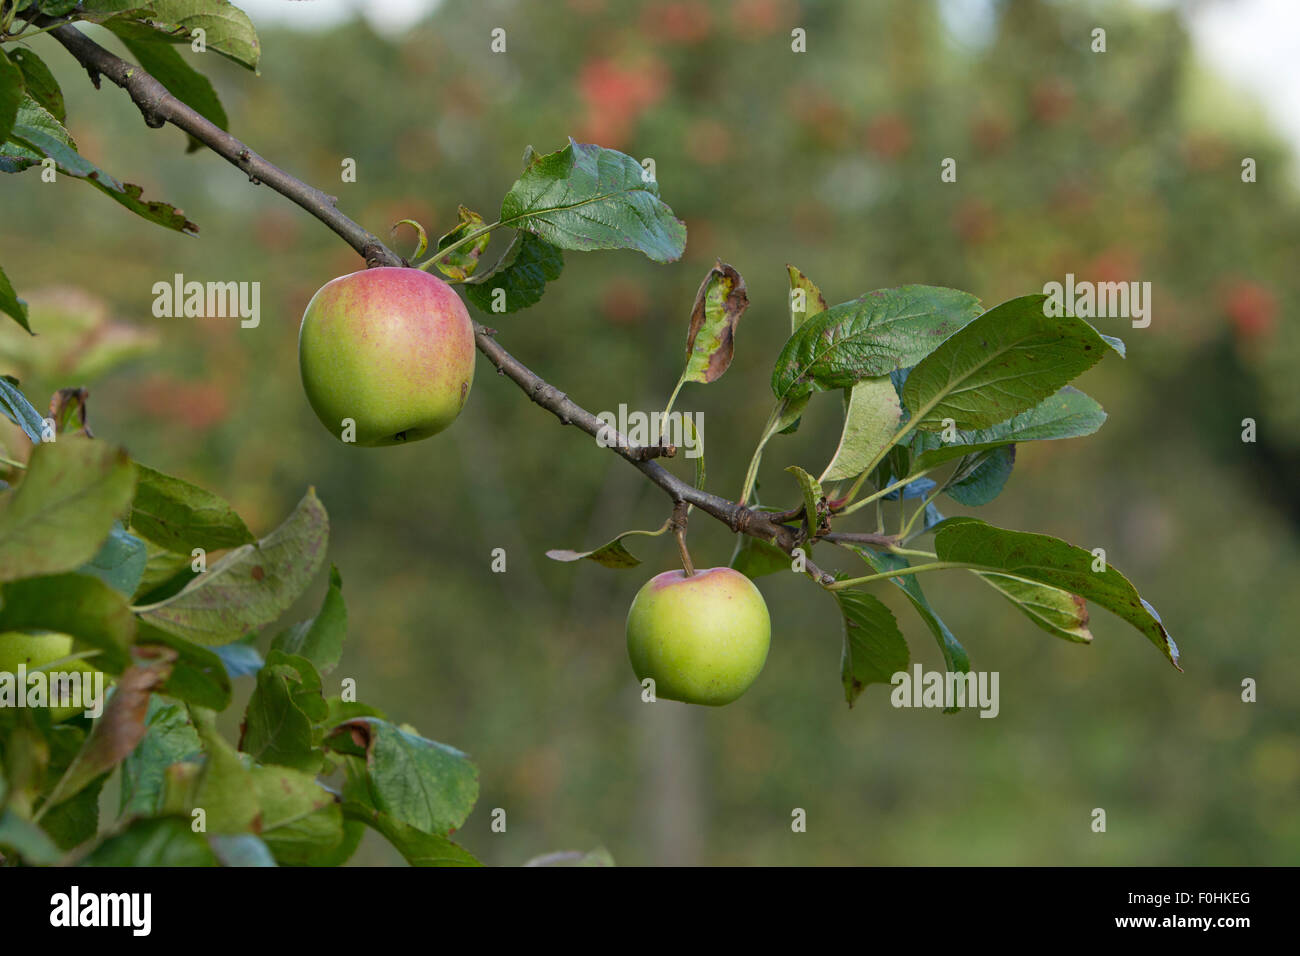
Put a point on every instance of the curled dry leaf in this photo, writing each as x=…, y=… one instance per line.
x=719, y=304
x=68, y=409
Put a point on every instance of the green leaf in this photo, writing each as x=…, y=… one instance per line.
x=1051, y=561
x=1067, y=414
x=13, y=307
x=419, y=783
x=73, y=491
x=14, y=404
x=198, y=675
x=251, y=586
x=37, y=135
x=120, y=562
x=179, y=516
x=78, y=605
x=986, y=480
x=585, y=197
x=240, y=849
x=279, y=722
x=165, y=573
x=791, y=411
x=1058, y=612
x=40, y=83
x=1006, y=361
x=11, y=95
x=870, y=422
x=24, y=838
x=320, y=640
x=227, y=29
x=225, y=789
x=874, y=649
x=169, y=738
x=55, y=8
x=161, y=61
x=462, y=263
x=814, y=499
x=521, y=273
x=417, y=848
x=954, y=655
x=814, y=303
x=754, y=557
x=611, y=554
x=882, y=331
x=240, y=658
x=299, y=818
x=710, y=342
x=75, y=820
x=597, y=857
x=156, y=841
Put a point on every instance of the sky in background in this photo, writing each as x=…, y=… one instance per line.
x=1253, y=44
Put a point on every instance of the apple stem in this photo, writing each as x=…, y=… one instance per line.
x=678, y=522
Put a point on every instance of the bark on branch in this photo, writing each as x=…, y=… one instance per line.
x=159, y=107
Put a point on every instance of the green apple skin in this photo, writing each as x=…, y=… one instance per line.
x=37, y=650
x=703, y=638
x=390, y=348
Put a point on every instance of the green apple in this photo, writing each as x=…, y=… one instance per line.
x=702, y=638
x=36, y=649
x=392, y=349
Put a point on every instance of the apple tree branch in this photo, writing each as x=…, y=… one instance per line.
x=159, y=107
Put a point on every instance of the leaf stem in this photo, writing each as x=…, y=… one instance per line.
x=751, y=474
x=884, y=491
x=442, y=253
x=914, y=553
x=925, y=505
x=663, y=419
x=915, y=569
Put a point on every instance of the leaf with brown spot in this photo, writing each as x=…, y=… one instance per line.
x=812, y=300
x=1046, y=560
x=1057, y=612
x=230, y=599
x=719, y=304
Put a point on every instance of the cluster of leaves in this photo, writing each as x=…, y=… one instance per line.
x=931, y=384
x=581, y=197
x=115, y=554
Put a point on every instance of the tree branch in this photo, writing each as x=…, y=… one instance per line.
x=159, y=107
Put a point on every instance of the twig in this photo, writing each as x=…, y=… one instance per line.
x=158, y=107
x=680, y=512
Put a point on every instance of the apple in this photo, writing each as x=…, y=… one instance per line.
x=36, y=649
x=390, y=348
x=703, y=638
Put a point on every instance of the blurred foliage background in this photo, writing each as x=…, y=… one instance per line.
x=1116, y=166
